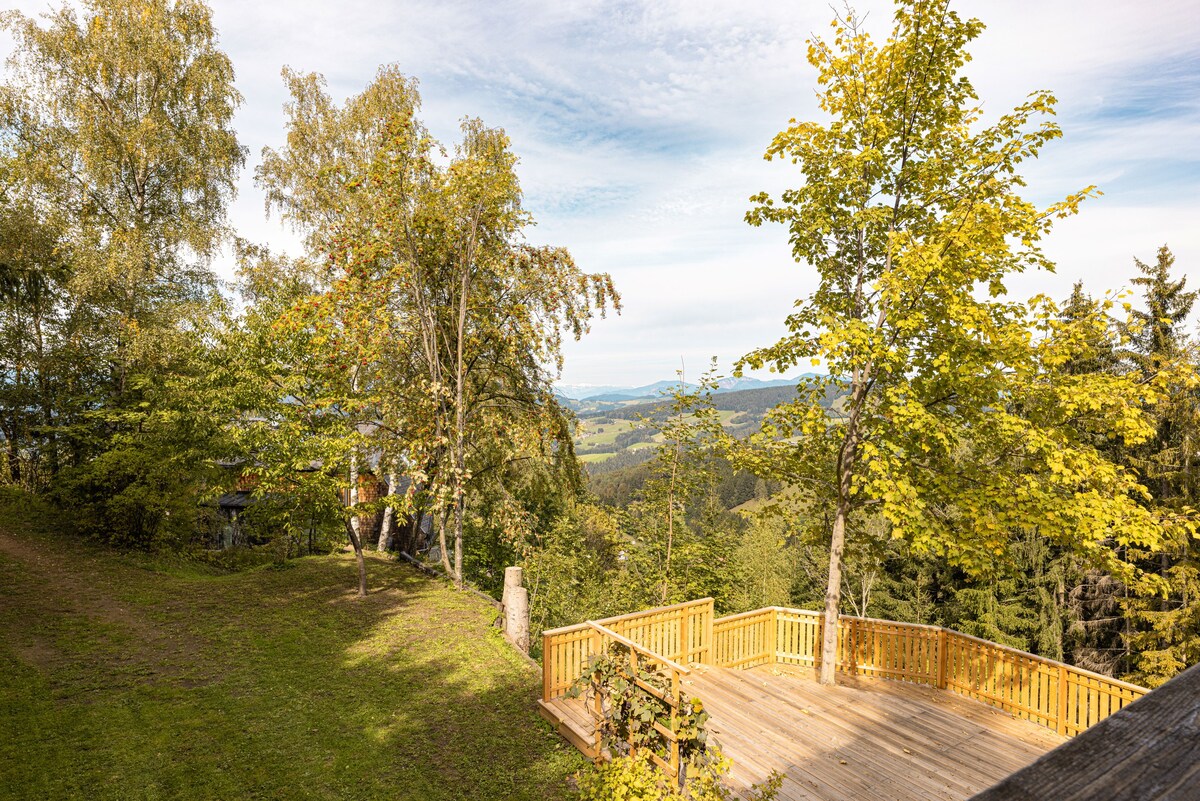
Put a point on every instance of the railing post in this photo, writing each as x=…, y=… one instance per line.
x=598, y=734
x=633, y=671
x=819, y=642
x=684, y=653
x=773, y=636
x=675, y=724
x=596, y=644
x=709, y=645
x=547, y=663
x=942, y=658
x=1062, y=699
x=850, y=645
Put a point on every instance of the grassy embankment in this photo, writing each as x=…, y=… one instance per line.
x=127, y=677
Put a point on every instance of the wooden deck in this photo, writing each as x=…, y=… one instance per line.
x=864, y=739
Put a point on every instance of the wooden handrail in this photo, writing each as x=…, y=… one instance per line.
x=1044, y=660
x=633, y=646
x=751, y=613
x=1052, y=693
x=657, y=610
x=608, y=621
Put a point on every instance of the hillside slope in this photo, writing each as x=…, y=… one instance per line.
x=122, y=678
x=617, y=439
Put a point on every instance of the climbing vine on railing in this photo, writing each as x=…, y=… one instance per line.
x=629, y=712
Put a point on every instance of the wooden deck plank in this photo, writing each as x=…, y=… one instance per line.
x=829, y=740
x=745, y=725
x=941, y=721
x=897, y=740
x=865, y=739
x=844, y=729
x=961, y=707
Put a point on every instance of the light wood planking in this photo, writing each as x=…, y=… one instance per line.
x=937, y=711
x=1061, y=697
x=863, y=739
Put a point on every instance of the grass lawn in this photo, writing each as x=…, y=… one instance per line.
x=123, y=677
x=591, y=458
x=612, y=429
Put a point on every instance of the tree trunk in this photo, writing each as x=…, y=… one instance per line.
x=460, y=459
x=847, y=457
x=389, y=517
x=442, y=520
x=670, y=527
x=358, y=555
x=353, y=493
x=458, y=544
x=14, y=458
x=833, y=597
x=49, y=434
x=414, y=532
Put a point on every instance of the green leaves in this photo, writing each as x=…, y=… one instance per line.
x=630, y=710
x=451, y=324
x=955, y=424
x=120, y=148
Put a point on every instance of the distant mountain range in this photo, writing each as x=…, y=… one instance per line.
x=593, y=392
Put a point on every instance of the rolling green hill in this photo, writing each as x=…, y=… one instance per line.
x=617, y=438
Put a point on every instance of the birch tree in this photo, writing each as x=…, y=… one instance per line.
x=456, y=321
x=121, y=122
x=117, y=133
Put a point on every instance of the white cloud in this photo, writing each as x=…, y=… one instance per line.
x=641, y=126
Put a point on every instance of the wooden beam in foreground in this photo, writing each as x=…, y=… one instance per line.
x=1148, y=751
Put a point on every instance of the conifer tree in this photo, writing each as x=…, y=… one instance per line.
x=1164, y=635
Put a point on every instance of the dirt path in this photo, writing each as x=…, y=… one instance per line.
x=56, y=589
x=59, y=575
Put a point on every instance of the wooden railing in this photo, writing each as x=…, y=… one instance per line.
x=640, y=658
x=1062, y=697
x=745, y=640
x=680, y=633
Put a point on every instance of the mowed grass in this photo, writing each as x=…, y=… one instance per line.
x=122, y=678
x=601, y=432
x=605, y=432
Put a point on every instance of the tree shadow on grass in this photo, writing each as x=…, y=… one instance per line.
x=419, y=687
x=275, y=684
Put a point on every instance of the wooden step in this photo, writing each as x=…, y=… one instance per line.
x=568, y=722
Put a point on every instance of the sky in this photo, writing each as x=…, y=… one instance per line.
x=641, y=126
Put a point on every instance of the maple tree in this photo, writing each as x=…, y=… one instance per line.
x=957, y=426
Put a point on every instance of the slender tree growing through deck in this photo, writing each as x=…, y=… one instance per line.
x=954, y=424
